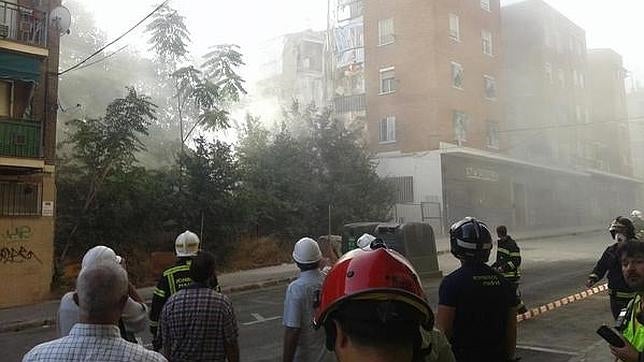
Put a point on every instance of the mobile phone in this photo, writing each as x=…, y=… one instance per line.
x=611, y=336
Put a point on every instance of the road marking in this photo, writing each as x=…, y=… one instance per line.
x=548, y=350
x=259, y=319
x=561, y=302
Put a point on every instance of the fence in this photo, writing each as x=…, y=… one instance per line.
x=429, y=212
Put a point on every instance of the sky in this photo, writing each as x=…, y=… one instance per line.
x=616, y=24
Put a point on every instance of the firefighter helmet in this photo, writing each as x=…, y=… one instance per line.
x=380, y=274
x=470, y=239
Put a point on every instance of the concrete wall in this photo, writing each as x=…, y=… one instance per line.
x=26, y=254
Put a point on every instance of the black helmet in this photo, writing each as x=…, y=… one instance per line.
x=470, y=239
x=622, y=225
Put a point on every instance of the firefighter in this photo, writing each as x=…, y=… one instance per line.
x=476, y=305
x=621, y=230
x=372, y=306
x=174, y=279
x=508, y=261
x=638, y=223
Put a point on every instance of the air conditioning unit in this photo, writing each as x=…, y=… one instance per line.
x=4, y=30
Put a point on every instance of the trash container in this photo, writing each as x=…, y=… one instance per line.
x=351, y=233
x=414, y=240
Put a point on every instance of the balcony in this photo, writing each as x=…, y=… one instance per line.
x=353, y=103
x=20, y=138
x=23, y=24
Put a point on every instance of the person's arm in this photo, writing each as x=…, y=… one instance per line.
x=291, y=336
x=599, y=270
x=628, y=353
x=445, y=320
x=232, y=351
x=511, y=334
x=134, y=294
x=159, y=297
x=135, y=316
x=231, y=333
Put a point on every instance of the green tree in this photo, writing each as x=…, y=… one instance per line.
x=102, y=147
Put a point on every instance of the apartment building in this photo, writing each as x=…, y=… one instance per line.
x=546, y=79
x=609, y=134
x=28, y=94
x=635, y=109
x=432, y=74
x=291, y=69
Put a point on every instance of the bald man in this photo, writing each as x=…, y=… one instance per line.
x=102, y=293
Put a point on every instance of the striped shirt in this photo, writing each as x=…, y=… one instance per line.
x=91, y=342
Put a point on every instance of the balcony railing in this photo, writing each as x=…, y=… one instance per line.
x=20, y=138
x=353, y=103
x=23, y=24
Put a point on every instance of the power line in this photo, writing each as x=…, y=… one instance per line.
x=103, y=58
x=115, y=40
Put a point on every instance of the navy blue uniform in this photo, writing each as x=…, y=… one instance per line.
x=482, y=299
x=620, y=293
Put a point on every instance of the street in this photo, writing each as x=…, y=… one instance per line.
x=552, y=268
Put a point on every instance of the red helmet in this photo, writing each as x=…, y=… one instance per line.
x=380, y=274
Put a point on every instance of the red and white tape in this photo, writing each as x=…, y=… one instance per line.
x=561, y=302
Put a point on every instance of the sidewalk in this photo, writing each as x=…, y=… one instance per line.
x=20, y=318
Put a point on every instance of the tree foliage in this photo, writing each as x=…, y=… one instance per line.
x=169, y=36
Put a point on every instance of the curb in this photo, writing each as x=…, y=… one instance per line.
x=51, y=321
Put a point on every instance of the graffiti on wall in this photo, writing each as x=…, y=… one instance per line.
x=11, y=255
x=19, y=233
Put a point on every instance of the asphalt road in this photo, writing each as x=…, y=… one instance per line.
x=553, y=268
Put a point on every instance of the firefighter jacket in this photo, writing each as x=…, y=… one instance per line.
x=508, y=259
x=172, y=280
x=609, y=262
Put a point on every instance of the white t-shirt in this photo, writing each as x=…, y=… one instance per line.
x=298, y=313
x=134, y=315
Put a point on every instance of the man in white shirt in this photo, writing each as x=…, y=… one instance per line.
x=102, y=293
x=302, y=342
x=134, y=318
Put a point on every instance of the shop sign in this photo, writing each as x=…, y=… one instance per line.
x=481, y=174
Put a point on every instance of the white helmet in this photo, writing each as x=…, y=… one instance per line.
x=636, y=213
x=307, y=251
x=365, y=241
x=187, y=244
x=100, y=254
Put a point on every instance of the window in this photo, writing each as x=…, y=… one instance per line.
x=20, y=198
x=547, y=37
x=457, y=75
x=486, y=41
x=492, y=135
x=562, y=78
x=582, y=82
x=548, y=70
x=459, y=120
x=388, y=129
x=386, y=31
x=575, y=79
x=485, y=5
x=387, y=80
x=454, y=31
x=403, y=188
x=5, y=99
x=578, y=112
x=490, y=87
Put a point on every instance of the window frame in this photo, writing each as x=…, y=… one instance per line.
x=455, y=65
x=486, y=79
x=492, y=125
x=462, y=117
x=490, y=41
x=381, y=34
x=486, y=5
x=454, y=34
x=387, y=123
x=392, y=88
x=547, y=67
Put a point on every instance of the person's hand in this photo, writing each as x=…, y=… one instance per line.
x=590, y=283
x=628, y=353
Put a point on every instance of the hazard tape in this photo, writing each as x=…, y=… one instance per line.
x=561, y=302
